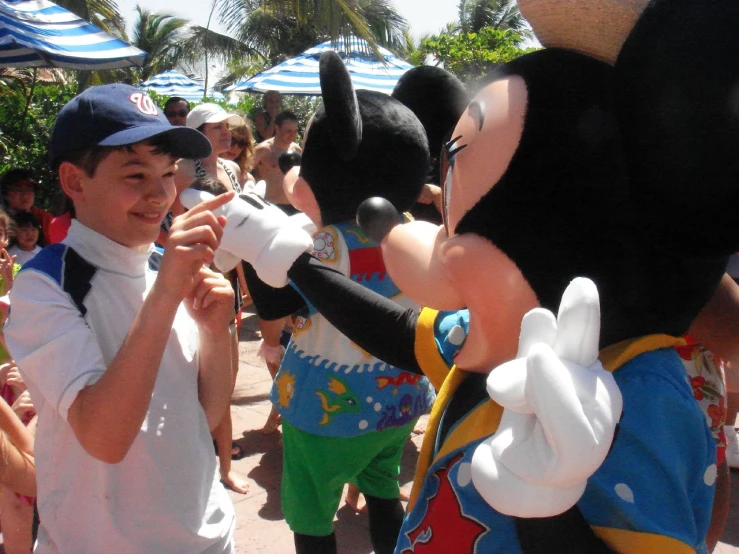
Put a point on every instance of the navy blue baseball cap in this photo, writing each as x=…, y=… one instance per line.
x=119, y=115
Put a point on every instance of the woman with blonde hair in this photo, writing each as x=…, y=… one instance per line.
x=242, y=150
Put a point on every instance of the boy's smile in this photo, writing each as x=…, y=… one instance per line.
x=127, y=197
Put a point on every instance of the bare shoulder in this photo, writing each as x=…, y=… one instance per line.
x=262, y=149
x=230, y=164
x=263, y=146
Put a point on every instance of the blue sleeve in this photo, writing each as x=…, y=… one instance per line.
x=659, y=476
x=450, y=331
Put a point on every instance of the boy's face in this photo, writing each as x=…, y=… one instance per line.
x=27, y=237
x=127, y=197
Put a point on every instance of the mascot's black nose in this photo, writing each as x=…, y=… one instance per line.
x=376, y=217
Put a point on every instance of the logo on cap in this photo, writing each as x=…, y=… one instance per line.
x=143, y=103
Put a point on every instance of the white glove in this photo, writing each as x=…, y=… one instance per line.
x=258, y=233
x=561, y=409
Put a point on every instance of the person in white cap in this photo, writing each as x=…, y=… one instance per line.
x=215, y=123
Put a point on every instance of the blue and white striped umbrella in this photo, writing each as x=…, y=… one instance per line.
x=171, y=83
x=38, y=33
x=299, y=75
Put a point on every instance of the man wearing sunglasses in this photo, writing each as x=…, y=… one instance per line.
x=176, y=110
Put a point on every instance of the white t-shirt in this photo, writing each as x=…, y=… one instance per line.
x=23, y=256
x=165, y=496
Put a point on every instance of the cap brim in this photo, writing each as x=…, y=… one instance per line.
x=186, y=142
x=232, y=119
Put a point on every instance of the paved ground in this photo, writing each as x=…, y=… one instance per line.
x=260, y=527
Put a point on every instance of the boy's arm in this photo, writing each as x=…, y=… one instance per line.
x=212, y=307
x=107, y=415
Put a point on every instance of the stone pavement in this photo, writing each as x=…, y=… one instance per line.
x=259, y=523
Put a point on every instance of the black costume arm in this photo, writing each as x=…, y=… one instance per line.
x=380, y=326
x=271, y=303
x=567, y=533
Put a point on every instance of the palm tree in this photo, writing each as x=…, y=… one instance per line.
x=160, y=36
x=203, y=44
x=284, y=28
x=498, y=14
x=103, y=14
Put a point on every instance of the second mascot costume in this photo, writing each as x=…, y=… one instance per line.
x=613, y=158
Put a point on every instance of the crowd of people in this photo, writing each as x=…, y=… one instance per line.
x=121, y=357
x=231, y=155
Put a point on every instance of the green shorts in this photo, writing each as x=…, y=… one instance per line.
x=316, y=468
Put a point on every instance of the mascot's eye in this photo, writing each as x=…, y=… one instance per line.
x=451, y=151
x=449, y=154
x=445, y=198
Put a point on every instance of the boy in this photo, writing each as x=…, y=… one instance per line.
x=128, y=372
x=27, y=231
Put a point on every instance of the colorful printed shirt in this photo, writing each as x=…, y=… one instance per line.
x=653, y=493
x=329, y=386
x=706, y=373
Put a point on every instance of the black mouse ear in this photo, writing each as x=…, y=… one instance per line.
x=678, y=105
x=340, y=103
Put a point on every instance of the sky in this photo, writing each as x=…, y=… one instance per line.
x=424, y=16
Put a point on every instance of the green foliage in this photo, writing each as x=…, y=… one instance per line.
x=498, y=14
x=25, y=142
x=281, y=29
x=157, y=34
x=470, y=56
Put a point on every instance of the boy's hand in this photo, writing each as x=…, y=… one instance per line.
x=211, y=302
x=193, y=238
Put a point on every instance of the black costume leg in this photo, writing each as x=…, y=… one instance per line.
x=308, y=544
x=385, y=520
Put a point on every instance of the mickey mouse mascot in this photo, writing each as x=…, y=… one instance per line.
x=604, y=160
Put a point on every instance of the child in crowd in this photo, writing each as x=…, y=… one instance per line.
x=19, y=188
x=27, y=232
x=129, y=369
